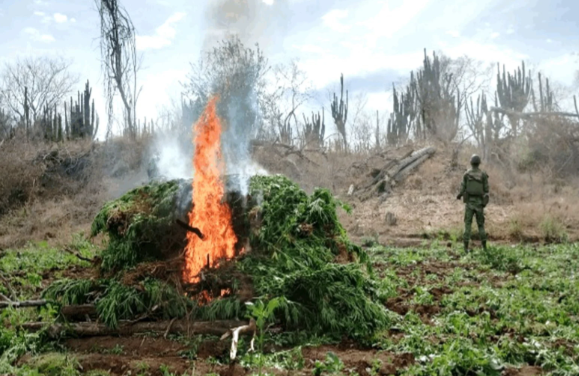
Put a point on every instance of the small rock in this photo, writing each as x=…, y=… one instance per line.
x=391, y=219
x=351, y=190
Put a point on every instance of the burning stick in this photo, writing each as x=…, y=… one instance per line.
x=189, y=228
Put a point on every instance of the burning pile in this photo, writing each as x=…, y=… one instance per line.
x=299, y=251
x=210, y=215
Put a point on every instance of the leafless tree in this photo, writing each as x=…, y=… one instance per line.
x=469, y=76
x=120, y=61
x=31, y=84
x=236, y=74
x=290, y=90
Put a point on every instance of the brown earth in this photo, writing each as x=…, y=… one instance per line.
x=120, y=356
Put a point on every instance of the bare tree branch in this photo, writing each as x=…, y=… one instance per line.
x=38, y=82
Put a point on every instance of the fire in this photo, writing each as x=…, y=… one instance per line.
x=209, y=213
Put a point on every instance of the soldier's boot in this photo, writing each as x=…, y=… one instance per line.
x=466, y=246
x=484, y=244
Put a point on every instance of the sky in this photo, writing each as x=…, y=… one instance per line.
x=374, y=43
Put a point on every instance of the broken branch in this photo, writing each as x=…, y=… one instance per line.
x=22, y=304
x=93, y=329
x=189, y=228
x=235, y=332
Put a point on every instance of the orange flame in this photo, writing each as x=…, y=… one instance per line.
x=209, y=213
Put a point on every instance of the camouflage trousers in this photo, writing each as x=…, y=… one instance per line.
x=478, y=212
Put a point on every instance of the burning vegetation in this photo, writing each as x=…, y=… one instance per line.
x=209, y=212
x=297, y=252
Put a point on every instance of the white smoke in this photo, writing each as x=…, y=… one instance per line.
x=252, y=21
x=172, y=161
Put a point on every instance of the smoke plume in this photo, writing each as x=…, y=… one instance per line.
x=224, y=69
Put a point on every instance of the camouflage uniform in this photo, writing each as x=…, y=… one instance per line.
x=474, y=190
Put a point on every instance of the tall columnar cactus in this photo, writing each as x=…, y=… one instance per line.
x=340, y=111
x=403, y=115
x=437, y=100
x=83, y=120
x=50, y=125
x=475, y=119
x=314, y=130
x=545, y=97
x=513, y=92
x=377, y=132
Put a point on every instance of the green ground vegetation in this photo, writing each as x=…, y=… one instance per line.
x=455, y=313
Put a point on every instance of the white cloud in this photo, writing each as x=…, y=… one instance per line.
x=164, y=34
x=310, y=48
x=268, y=2
x=333, y=20
x=453, y=33
x=73, y=20
x=510, y=30
x=37, y=36
x=45, y=18
x=561, y=68
x=385, y=22
x=495, y=35
x=60, y=18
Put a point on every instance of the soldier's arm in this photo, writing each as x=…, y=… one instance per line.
x=486, y=183
x=462, y=187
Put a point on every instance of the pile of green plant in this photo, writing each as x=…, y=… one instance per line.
x=293, y=257
x=140, y=225
x=295, y=243
x=115, y=301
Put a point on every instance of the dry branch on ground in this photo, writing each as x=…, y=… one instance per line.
x=94, y=329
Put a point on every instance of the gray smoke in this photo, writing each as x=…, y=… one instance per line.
x=224, y=69
x=253, y=21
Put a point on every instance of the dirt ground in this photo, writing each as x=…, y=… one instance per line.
x=152, y=355
x=425, y=209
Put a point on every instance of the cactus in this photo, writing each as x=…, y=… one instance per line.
x=475, y=119
x=81, y=121
x=438, y=104
x=314, y=129
x=513, y=93
x=286, y=133
x=403, y=115
x=377, y=132
x=340, y=112
x=50, y=125
x=545, y=97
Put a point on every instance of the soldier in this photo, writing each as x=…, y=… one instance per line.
x=474, y=190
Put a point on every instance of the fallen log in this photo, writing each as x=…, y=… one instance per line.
x=408, y=169
x=395, y=171
x=78, y=312
x=404, y=163
x=94, y=329
x=22, y=304
x=527, y=115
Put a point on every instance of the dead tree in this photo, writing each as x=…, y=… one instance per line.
x=30, y=85
x=119, y=61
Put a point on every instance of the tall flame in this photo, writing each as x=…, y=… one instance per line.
x=209, y=213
